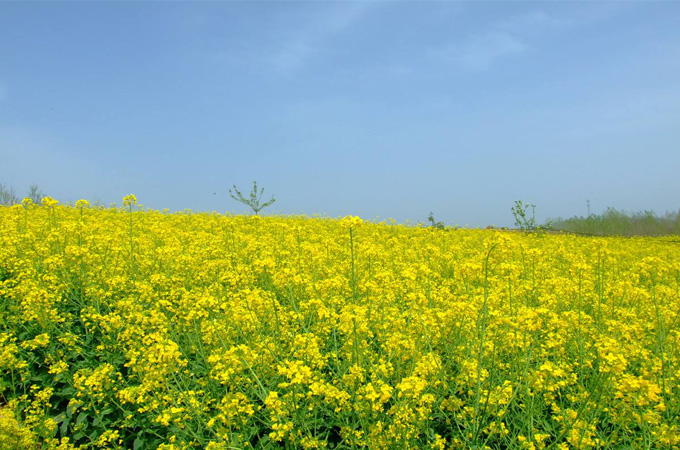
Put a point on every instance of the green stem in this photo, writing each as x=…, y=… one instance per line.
x=353, y=279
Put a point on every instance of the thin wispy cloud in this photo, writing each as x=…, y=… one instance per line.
x=294, y=37
x=481, y=51
x=294, y=52
x=492, y=43
x=512, y=36
x=533, y=22
x=292, y=56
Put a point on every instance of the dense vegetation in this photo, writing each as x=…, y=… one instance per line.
x=130, y=329
x=615, y=222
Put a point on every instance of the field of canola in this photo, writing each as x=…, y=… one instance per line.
x=122, y=328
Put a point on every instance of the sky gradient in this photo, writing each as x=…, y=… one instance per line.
x=379, y=109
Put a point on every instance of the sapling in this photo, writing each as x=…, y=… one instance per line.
x=253, y=201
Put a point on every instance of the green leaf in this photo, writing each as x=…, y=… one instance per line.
x=139, y=443
x=82, y=417
x=67, y=392
x=64, y=426
x=70, y=409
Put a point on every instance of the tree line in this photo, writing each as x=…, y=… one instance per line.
x=9, y=197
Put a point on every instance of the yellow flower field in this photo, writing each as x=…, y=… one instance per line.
x=124, y=328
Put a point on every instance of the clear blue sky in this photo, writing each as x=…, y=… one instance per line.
x=380, y=109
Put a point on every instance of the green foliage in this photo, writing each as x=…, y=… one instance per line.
x=523, y=220
x=435, y=224
x=252, y=201
x=614, y=222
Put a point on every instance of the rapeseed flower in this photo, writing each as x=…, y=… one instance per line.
x=152, y=329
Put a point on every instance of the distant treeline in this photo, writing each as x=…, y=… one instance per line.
x=9, y=197
x=621, y=223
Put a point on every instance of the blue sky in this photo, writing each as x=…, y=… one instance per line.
x=380, y=109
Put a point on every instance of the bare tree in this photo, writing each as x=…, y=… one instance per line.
x=35, y=194
x=8, y=196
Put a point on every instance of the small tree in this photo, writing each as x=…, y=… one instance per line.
x=434, y=223
x=253, y=201
x=522, y=218
x=35, y=194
